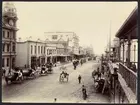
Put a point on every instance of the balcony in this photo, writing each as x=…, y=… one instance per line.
x=129, y=76
x=8, y=53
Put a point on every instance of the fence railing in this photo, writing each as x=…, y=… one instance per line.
x=129, y=76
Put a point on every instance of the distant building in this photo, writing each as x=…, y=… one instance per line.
x=9, y=29
x=70, y=37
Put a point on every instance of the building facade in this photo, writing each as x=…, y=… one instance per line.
x=128, y=57
x=30, y=53
x=9, y=29
x=35, y=53
x=70, y=37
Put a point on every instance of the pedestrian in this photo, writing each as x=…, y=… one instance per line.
x=55, y=99
x=81, y=62
x=74, y=64
x=79, y=78
x=98, y=73
x=84, y=92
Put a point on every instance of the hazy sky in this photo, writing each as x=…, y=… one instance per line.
x=89, y=20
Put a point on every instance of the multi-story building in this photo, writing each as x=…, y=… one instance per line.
x=70, y=37
x=9, y=29
x=128, y=61
x=35, y=53
x=30, y=53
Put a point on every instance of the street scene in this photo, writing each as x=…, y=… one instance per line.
x=46, y=89
x=66, y=52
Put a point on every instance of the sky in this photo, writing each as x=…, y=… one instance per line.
x=91, y=21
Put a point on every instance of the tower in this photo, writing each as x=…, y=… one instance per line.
x=9, y=29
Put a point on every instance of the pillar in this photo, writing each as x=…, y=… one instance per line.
x=119, y=50
x=123, y=50
x=129, y=48
x=45, y=59
x=66, y=59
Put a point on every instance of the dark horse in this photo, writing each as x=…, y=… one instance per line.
x=96, y=73
x=14, y=77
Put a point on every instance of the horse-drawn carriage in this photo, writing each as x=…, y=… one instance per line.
x=14, y=76
x=29, y=73
x=100, y=81
x=49, y=68
x=63, y=76
x=43, y=70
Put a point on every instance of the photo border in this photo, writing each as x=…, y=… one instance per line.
x=138, y=86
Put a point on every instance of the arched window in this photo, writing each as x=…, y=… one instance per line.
x=41, y=49
x=14, y=48
x=3, y=60
x=13, y=62
x=3, y=47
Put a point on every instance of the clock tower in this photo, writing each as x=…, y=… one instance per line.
x=9, y=29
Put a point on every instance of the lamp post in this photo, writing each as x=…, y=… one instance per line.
x=10, y=52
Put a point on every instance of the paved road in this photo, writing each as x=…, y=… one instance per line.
x=45, y=88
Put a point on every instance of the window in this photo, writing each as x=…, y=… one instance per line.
x=14, y=34
x=13, y=63
x=3, y=62
x=44, y=50
x=35, y=49
x=14, y=47
x=41, y=49
x=3, y=47
x=7, y=61
x=8, y=34
x=54, y=37
x=38, y=49
x=3, y=34
x=31, y=49
x=50, y=52
x=8, y=47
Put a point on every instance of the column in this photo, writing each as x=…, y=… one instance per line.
x=66, y=59
x=119, y=50
x=129, y=48
x=45, y=59
x=123, y=50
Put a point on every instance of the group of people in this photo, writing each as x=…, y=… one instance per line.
x=16, y=72
x=76, y=63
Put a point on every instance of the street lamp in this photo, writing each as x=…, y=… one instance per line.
x=10, y=52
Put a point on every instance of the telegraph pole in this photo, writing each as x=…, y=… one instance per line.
x=110, y=40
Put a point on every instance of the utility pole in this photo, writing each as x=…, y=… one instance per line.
x=110, y=40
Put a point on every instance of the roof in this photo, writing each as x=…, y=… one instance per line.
x=129, y=24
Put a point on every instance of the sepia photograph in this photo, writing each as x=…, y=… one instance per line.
x=69, y=52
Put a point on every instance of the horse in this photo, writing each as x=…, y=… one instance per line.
x=63, y=76
x=14, y=77
x=96, y=73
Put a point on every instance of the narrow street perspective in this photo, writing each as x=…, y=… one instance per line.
x=69, y=52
